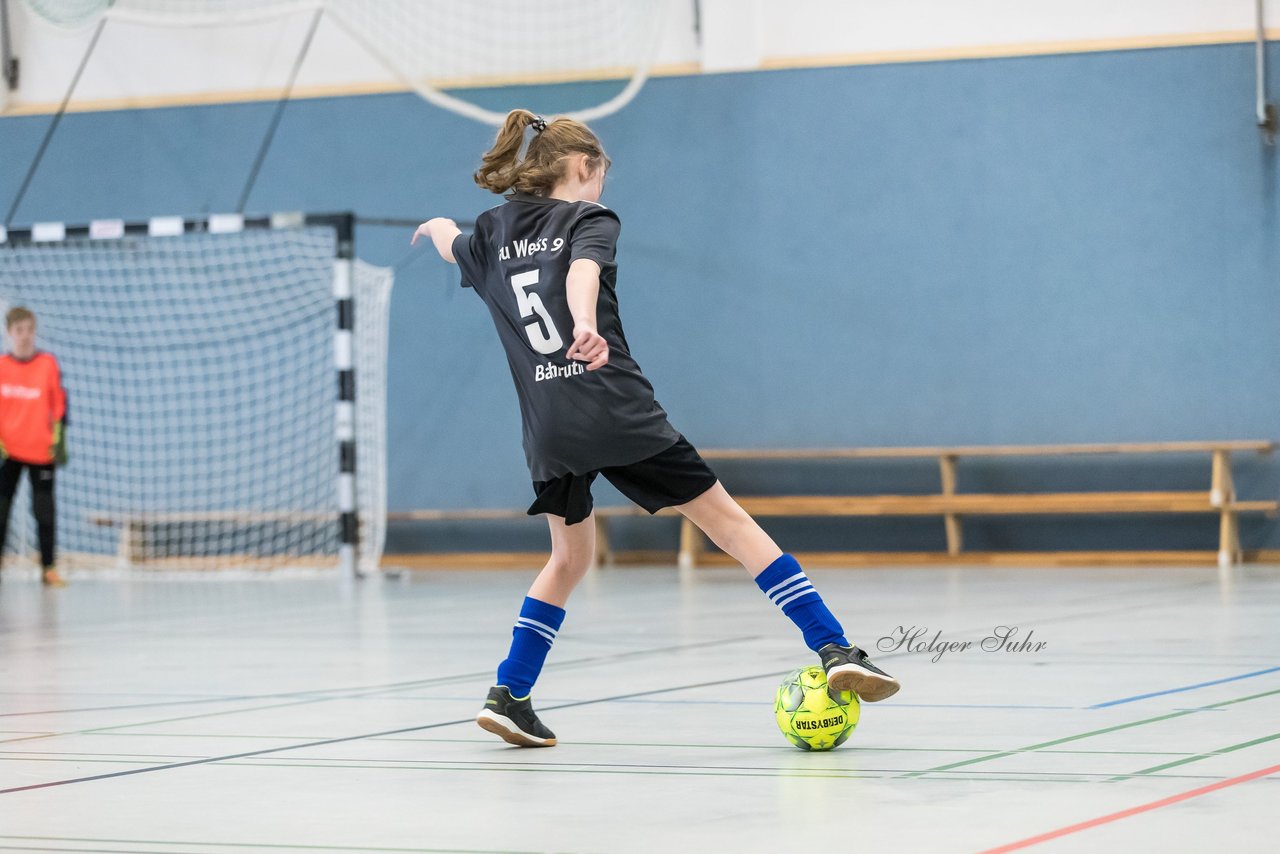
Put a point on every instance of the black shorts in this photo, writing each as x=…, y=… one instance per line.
x=676, y=476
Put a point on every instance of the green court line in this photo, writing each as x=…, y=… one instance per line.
x=877, y=774
x=772, y=747
x=992, y=776
x=77, y=756
x=1034, y=747
x=657, y=772
x=555, y=769
x=263, y=845
x=685, y=770
x=695, y=745
x=1196, y=758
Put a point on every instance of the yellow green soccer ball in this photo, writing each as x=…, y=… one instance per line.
x=810, y=715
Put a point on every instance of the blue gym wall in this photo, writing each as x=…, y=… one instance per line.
x=1072, y=248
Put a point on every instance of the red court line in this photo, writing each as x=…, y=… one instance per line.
x=1116, y=816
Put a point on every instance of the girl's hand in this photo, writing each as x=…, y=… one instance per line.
x=588, y=346
x=424, y=230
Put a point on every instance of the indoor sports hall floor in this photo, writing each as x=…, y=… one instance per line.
x=298, y=714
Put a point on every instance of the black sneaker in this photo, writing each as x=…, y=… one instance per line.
x=513, y=720
x=849, y=669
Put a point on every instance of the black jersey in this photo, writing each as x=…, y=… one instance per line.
x=575, y=421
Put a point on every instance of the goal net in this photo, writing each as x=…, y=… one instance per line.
x=203, y=362
x=479, y=58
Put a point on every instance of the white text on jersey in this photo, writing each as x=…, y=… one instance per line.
x=555, y=372
x=525, y=248
x=23, y=392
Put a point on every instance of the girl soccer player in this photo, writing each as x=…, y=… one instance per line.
x=543, y=263
x=33, y=406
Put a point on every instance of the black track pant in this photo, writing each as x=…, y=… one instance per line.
x=41, y=502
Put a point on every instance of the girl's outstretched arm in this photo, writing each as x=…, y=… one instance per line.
x=583, y=289
x=442, y=231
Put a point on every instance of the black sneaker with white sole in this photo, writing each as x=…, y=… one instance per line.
x=849, y=669
x=514, y=720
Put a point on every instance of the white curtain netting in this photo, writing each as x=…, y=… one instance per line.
x=453, y=53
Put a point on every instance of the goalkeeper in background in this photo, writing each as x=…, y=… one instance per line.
x=33, y=408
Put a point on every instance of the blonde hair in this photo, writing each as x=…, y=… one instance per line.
x=17, y=314
x=544, y=163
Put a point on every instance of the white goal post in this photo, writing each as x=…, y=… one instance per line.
x=226, y=382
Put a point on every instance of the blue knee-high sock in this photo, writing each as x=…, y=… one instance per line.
x=531, y=640
x=784, y=582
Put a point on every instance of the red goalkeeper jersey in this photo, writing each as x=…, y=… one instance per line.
x=32, y=400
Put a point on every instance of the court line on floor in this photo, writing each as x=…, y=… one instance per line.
x=566, y=766
x=675, y=769
x=360, y=737
x=1180, y=690
x=887, y=706
x=70, y=754
x=665, y=770
x=1034, y=747
x=76, y=850
x=370, y=690
x=1141, y=808
x=402, y=730
x=1177, y=588
x=297, y=847
x=231, y=758
x=701, y=771
x=1196, y=758
x=368, y=693
x=418, y=683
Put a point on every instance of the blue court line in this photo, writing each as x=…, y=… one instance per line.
x=885, y=706
x=1134, y=699
x=972, y=706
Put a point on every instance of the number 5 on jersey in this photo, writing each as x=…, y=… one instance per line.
x=530, y=304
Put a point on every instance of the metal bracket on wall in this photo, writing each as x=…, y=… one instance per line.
x=1266, y=110
x=8, y=62
x=1267, y=124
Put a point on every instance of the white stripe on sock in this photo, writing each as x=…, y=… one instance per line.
x=805, y=592
x=775, y=587
x=789, y=589
x=535, y=623
x=539, y=632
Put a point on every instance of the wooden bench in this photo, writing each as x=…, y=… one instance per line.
x=952, y=506
x=604, y=554
x=949, y=504
x=136, y=529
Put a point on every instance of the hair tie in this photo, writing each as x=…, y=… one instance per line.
x=539, y=124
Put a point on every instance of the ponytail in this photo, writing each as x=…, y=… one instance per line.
x=500, y=164
x=543, y=165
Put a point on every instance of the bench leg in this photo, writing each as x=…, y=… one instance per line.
x=692, y=543
x=122, y=546
x=603, y=554
x=1229, y=553
x=1221, y=489
x=955, y=534
x=133, y=536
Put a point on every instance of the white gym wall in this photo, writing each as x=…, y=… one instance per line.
x=136, y=65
